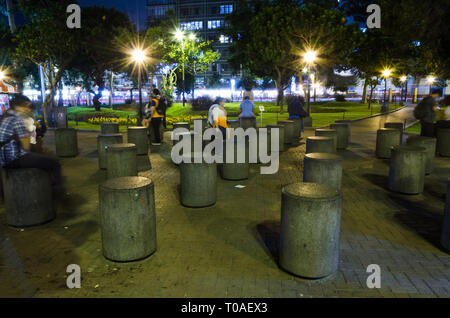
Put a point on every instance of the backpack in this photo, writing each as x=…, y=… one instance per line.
x=162, y=106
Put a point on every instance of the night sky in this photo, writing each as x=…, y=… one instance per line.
x=135, y=9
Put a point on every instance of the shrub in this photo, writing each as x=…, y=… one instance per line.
x=340, y=98
x=202, y=103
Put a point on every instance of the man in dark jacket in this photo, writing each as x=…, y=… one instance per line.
x=427, y=107
x=295, y=109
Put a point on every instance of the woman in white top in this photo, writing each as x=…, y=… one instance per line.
x=219, y=116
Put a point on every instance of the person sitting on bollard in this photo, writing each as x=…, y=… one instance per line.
x=219, y=115
x=425, y=111
x=247, y=108
x=295, y=109
x=15, y=142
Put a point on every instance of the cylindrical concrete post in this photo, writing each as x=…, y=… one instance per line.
x=247, y=122
x=396, y=125
x=139, y=137
x=429, y=144
x=310, y=229
x=198, y=182
x=233, y=123
x=66, y=142
x=298, y=127
x=349, y=123
x=445, y=238
x=319, y=144
x=28, y=196
x=203, y=122
x=234, y=169
x=281, y=130
x=386, y=139
x=289, y=131
x=328, y=133
x=181, y=125
x=443, y=142
x=323, y=168
x=109, y=128
x=121, y=161
x=343, y=134
x=128, y=220
x=102, y=142
x=407, y=169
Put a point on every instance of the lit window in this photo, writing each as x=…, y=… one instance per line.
x=192, y=25
x=226, y=9
x=215, y=24
x=224, y=39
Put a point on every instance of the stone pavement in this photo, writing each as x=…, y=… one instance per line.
x=230, y=249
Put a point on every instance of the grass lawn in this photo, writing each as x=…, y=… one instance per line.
x=323, y=113
x=414, y=129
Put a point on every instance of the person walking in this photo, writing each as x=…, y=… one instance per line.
x=156, y=110
x=295, y=109
x=425, y=111
x=219, y=117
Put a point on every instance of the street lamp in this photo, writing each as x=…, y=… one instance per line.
x=2, y=76
x=386, y=75
x=139, y=57
x=309, y=58
x=430, y=80
x=180, y=36
x=403, y=80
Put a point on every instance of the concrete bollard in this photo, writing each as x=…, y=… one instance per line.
x=349, y=122
x=139, y=137
x=27, y=196
x=127, y=217
x=121, y=161
x=203, y=122
x=445, y=238
x=181, y=125
x=247, y=122
x=289, y=131
x=386, y=139
x=399, y=126
x=319, y=144
x=310, y=229
x=233, y=124
x=281, y=146
x=328, y=133
x=234, y=170
x=307, y=121
x=102, y=142
x=109, y=128
x=198, y=182
x=407, y=169
x=323, y=168
x=298, y=127
x=343, y=134
x=429, y=144
x=66, y=142
x=443, y=142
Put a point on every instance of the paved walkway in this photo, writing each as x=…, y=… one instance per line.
x=230, y=249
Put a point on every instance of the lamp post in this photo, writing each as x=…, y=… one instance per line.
x=386, y=75
x=179, y=35
x=403, y=81
x=139, y=58
x=430, y=80
x=309, y=58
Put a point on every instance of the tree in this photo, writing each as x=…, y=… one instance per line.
x=46, y=41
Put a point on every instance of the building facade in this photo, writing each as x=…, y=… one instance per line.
x=205, y=18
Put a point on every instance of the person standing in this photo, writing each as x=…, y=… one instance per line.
x=425, y=111
x=295, y=109
x=219, y=117
x=15, y=142
x=158, y=112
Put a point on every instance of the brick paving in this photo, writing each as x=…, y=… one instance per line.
x=230, y=249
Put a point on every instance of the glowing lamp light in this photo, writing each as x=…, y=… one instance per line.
x=403, y=79
x=310, y=57
x=2, y=76
x=138, y=56
x=192, y=37
x=430, y=79
x=386, y=73
x=179, y=35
